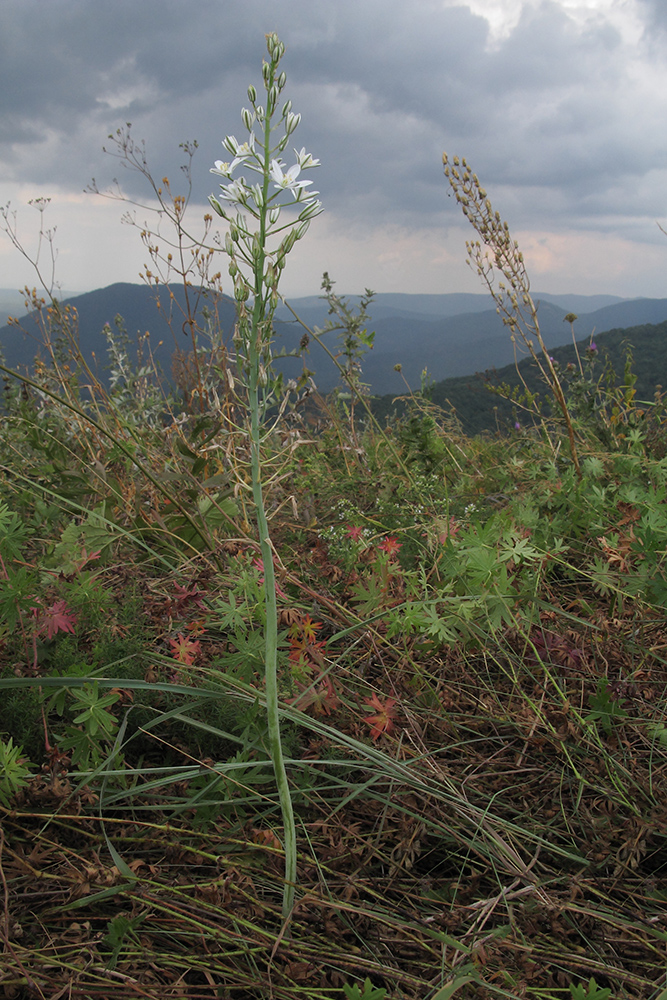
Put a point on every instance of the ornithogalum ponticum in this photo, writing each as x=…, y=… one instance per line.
x=268, y=208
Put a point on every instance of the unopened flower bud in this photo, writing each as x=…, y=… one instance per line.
x=288, y=242
x=312, y=209
x=292, y=122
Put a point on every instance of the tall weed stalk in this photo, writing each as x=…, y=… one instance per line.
x=499, y=253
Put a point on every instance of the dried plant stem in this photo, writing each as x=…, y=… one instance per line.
x=498, y=252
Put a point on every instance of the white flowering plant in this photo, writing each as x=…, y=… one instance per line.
x=257, y=242
x=260, y=235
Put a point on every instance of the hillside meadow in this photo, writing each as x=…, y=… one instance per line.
x=297, y=702
x=472, y=695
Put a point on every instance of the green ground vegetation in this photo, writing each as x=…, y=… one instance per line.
x=472, y=683
x=468, y=678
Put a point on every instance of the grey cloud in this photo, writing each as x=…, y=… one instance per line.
x=656, y=14
x=550, y=117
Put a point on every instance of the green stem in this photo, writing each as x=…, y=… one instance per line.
x=271, y=667
x=255, y=343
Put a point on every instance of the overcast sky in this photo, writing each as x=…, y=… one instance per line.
x=559, y=107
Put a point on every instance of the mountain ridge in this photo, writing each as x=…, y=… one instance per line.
x=448, y=345
x=479, y=409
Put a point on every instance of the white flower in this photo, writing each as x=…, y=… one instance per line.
x=235, y=192
x=288, y=180
x=222, y=168
x=246, y=148
x=241, y=149
x=305, y=160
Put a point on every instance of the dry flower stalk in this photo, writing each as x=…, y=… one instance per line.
x=498, y=252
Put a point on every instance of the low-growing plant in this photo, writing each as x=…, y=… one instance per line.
x=590, y=992
x=606, y=710
x=88, y=739
x=367, y=992
x=15, y=770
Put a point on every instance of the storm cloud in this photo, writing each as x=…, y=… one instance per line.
x=558, y=106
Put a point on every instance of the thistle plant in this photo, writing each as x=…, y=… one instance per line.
x=257, y=243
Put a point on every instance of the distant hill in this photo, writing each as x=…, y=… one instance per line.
x=12, y=303
x=451, y=335
x=456, y=344
x=137, y=305
x=480, y=410
x=439, y=306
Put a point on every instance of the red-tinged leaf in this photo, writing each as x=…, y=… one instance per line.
x=355, y=532
x=449, y=530
x=304, y=645
x=383, y=720
x=186, y=596
x=309, y=629
x=320, y=697
x=57, y=618
x=390, y=545
x=85, y=558
x=259, y=566
x=185, y=650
